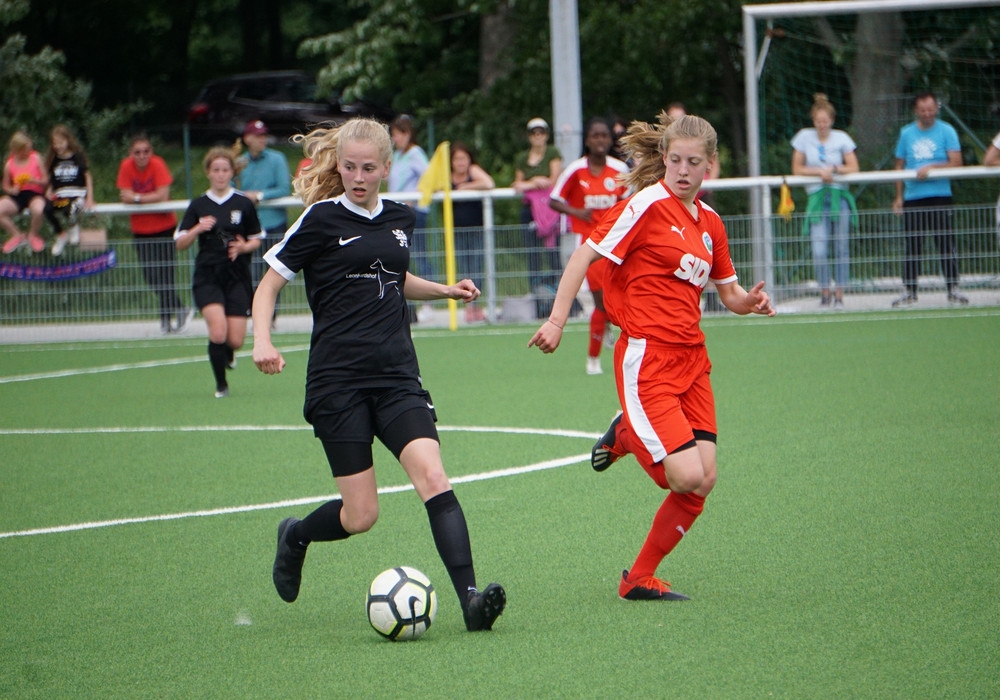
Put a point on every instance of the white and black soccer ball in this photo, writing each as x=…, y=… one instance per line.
x=401, y=603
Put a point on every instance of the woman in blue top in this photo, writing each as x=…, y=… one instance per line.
x=826, y=152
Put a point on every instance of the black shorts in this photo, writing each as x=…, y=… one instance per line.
x=348, y=422
x=223, y=284
x=23, y=198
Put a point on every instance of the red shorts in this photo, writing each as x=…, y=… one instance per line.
x=666, y=395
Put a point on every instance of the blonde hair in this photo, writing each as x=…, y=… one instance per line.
x=19, y=142
x=646, y=143
x=321, y=180
x=821, y=103
x=217, y=152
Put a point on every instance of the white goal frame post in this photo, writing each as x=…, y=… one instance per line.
x=754, y=58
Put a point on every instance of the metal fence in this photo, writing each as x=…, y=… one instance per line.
x=104, y=290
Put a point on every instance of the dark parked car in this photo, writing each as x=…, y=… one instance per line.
x=285, y=100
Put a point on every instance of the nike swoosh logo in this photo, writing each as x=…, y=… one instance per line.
x=345, y=241
x=430, y=405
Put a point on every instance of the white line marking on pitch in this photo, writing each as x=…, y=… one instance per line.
x=468, y=478
x=483, y=476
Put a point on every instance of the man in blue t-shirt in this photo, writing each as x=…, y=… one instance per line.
x=264, y=176
x=924, y=204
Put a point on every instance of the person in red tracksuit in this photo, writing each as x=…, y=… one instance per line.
x=662, y=246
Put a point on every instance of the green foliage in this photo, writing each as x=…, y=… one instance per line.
x=38, y=94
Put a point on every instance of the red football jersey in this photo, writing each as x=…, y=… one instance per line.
x=579, y=188
x=663, y=258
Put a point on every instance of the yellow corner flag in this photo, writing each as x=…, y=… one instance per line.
x=786, y=205
x=438, y=177
x=438, y=174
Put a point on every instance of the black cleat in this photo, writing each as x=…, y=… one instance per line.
x=287, y=572
x=601, y=456
x=647, y=588
x=482, y=609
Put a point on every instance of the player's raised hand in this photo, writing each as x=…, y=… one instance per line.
x=759, y=301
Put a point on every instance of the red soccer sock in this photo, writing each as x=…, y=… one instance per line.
x=598, y=322
x=671, y=523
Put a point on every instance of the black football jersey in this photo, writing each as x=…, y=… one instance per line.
x=234, y=215
x=354, y=265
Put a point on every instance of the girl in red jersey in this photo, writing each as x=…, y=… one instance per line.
x=586, y=189
x=664, y=245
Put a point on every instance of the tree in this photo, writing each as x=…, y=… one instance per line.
x=481, y=69
x=39, y=94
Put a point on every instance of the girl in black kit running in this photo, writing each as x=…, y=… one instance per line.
x=362, y=379
x=227, y=229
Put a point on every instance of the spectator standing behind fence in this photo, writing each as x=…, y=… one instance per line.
x=924, y=204
x=24, y=183
x=467, y=174
x=409, y=161
x=587, y=188
x=992, y=157
x=535, y=171
x=824, y=152
x=264, y=175
x=228, y=231
x=144, y=178
x=71, y=187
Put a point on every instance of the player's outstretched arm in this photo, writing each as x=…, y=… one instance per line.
x=419, y=289
x=549, y=334
x=740, y=301
x=267, y=359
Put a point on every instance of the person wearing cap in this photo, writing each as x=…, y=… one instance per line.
x=535, y=170
x=264, y=175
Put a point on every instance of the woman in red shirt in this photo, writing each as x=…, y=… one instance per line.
x=663, y=246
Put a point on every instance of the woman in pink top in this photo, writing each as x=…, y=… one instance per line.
x=24, y=183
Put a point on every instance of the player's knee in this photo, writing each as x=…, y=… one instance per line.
x=358, y=520
x=686, y=481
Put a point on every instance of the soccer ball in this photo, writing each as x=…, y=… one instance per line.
x=401, y=603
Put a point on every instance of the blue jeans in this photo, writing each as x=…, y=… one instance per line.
x=821, y=233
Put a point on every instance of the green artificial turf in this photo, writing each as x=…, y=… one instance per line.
x=849, y=549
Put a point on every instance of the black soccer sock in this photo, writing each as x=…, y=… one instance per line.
x=218, y=355
x=451, y=535
x=322, y=525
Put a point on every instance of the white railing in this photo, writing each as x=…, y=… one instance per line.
x=764, y=247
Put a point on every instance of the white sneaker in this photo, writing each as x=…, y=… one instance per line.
x=74, y=234
x=594, y=365
x=60, y=245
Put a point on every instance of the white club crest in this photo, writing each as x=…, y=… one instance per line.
x=235, y=217
x=707, y=240
x=401, y=237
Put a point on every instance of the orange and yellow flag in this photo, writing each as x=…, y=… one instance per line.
x=786, y=205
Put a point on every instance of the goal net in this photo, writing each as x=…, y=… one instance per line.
x=870, y=62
